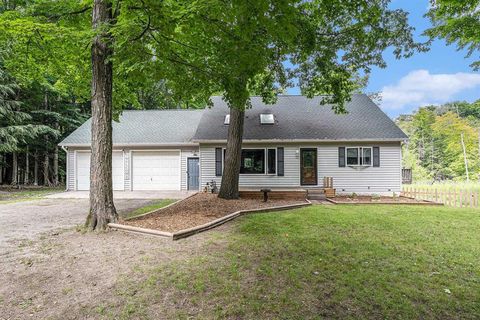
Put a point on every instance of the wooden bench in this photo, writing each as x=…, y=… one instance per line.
x=297, y=194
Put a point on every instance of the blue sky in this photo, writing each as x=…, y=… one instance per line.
x=434, y=77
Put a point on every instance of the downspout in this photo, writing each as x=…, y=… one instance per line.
x=67, y=172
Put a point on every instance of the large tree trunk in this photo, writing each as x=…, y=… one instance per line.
x=1, y=168
x=14, y=168
x=26, y=181
x=46, y=166
x=102, y=209
x=46, y=162
x=231, y=171
x=35, y=168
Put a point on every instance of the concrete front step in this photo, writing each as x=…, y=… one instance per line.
x=316, y=191
x=316, y=197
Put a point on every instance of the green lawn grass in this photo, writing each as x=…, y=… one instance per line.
x=324, y=262
x=150, y=207
x=8, y=195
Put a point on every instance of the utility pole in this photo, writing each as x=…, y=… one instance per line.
x=479, y=143
x=464, y=156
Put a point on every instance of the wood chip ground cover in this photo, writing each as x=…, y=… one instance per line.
x=197, y=210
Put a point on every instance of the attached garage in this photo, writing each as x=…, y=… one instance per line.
x=83, y=170
x=156, y=170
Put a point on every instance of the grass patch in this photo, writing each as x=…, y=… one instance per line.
x=150, y=207
x=325, y=262
x=10, y=195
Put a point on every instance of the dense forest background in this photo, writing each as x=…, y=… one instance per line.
x=45, y=76
x=45, y=96
x=35, y=117
x=444, y=142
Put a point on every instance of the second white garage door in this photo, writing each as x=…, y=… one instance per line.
x=156, y=170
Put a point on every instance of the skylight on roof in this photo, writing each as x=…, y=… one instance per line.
x=267, y=118
x=227, y=119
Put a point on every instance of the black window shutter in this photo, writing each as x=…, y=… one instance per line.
x=218, y=162
x=280, y=162
x=376, y=156
x=341, y=156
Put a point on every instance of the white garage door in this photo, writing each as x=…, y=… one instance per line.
x=83, y=170
x=156, y=170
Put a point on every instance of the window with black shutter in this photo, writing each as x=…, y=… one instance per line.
x=341, y=156
x=218, y=162
x=271, y=161
x=280, y=162
x=376, y=156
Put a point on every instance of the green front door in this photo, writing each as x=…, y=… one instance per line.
x=308, y=167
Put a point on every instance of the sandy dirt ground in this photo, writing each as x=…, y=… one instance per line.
x=49, y=269
x=67, y=275
x=25, y=220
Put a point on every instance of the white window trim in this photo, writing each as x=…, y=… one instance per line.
x=359, y=157
x=265, y=160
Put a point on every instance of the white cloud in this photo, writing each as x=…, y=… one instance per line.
x=420, y=87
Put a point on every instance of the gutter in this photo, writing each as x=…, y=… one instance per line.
x=302, y=140
x=120, y=145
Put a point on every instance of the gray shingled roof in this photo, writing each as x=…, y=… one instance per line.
x=300, y=118
x=147, y=127
x=296, y=118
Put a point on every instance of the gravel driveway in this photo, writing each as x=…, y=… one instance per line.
x=26, y=220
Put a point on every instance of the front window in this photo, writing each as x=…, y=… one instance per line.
x=252, y=161
x=352, y=157
x=367, y=156
x=359, y=156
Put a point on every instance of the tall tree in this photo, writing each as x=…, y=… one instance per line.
x=102, y=208
x=238, y=47
x=457, y=22
x=246, y=45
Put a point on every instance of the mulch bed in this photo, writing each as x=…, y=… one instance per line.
x=199, y=209
x=386, y=200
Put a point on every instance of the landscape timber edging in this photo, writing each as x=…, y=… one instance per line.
x=212, y=224
x=159, y=209
x=204, y=227
x=152, y=232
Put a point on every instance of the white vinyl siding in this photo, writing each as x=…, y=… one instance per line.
x=70, y=179
x=362, y=179
x=127, y=160
x=383, y=179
